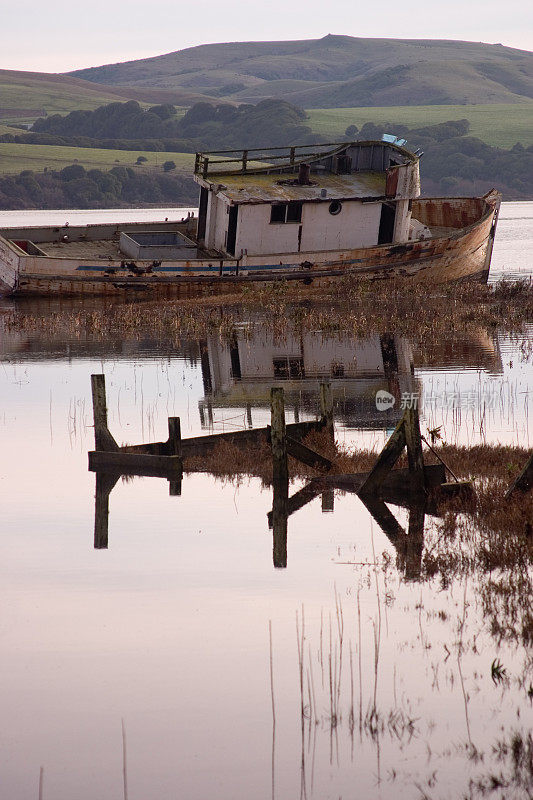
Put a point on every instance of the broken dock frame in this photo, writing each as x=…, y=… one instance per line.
x=414, y=487
x=166, y=459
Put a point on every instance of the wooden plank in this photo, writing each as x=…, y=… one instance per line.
x=307, y=456
x=457, y=489
x=300, y=499
x=406, y=434
x=150, y=448
x=524, y=481
x=172, y=447
x=135, y=463
x=200, y=445
x=103, y=440
x=384, y=517
x=396, y=479
x=396, y=487
x=386, y=460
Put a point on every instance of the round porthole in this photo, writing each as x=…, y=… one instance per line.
x=335, y=207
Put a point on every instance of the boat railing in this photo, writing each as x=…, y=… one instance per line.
x=261, y=159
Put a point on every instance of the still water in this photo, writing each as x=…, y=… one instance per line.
x=167, y=628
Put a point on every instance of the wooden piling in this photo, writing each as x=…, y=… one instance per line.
x=279, y=527
x=278, y=439
x=105, y=482
x=413, y=443
x=328, y=501
x=415, y=542
x=174, y=436
x=103, y=440
x=174, y=487
x=326, y=406
x=280, y=477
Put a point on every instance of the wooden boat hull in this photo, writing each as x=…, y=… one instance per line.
x=460, y=250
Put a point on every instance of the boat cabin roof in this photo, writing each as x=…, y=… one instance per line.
x=345, y=170
x=268, y=188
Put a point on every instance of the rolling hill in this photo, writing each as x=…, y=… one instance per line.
x=25, y=95
x=340, y=71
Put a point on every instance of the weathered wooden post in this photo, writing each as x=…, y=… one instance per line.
x=278, y=440
x=105, y=481
x=174, y=487
x=279, y=528
x=328, y=501
x=174, y=436
x=414, y=546
x=102, y=437
x=174, y=449
x=280, y=477
x=326, y=407
x=413, y=443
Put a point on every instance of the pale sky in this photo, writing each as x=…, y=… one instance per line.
x=57, y=36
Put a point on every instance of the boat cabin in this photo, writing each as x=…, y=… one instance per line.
x=305, y=199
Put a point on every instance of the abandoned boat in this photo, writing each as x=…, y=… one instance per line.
x=309, y=213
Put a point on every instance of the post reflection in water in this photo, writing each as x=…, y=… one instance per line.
x=104, y=485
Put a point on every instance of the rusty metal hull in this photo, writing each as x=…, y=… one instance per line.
x=460, y=250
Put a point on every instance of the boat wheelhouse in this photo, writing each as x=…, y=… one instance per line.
x=353, y=195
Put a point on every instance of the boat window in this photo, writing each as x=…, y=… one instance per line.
x=286, y=212
x=335, y=207
x=291, y=367
x=277, y=212
x=294, y=212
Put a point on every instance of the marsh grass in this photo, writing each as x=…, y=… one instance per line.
x=349, y=307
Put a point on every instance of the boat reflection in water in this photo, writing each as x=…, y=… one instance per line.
x=238, y=372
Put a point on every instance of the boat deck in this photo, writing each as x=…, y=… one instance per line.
x=109, y=249
x=101, y=249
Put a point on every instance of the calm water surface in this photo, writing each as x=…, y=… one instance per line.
x=168, y=627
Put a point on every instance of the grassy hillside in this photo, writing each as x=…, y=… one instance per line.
x=336, y=71
x=17, y=157
x=25, y=95
x=500, y=125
